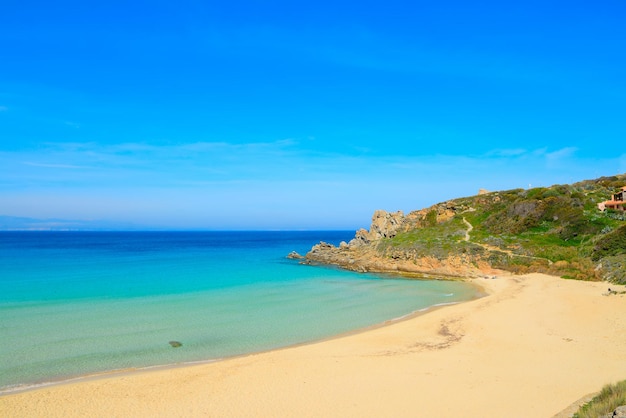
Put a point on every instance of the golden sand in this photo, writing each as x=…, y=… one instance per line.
x=532, y=347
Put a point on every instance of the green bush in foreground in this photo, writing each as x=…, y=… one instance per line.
x=609, y=398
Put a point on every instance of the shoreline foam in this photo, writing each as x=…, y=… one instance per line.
x=530, y=348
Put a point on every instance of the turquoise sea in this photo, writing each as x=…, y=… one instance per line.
x=78, y=303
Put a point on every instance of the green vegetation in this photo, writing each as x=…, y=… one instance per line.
x=431, y=218
x=434, y=239
x=557, y=230
x=609, y=398
x=613, y=243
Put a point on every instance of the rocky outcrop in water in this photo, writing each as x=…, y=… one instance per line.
x=294, y=255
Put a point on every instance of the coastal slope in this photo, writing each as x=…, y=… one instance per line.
x=531, y=347
x=562, y=230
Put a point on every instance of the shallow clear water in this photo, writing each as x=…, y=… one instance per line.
x=74, y=303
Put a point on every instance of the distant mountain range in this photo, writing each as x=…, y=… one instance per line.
x=16, y=223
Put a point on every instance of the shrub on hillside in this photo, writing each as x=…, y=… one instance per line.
x=613, y=243
x=613, y=269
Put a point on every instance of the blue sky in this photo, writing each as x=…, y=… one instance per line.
x=289, y=115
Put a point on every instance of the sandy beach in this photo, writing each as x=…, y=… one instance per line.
x=531, y=348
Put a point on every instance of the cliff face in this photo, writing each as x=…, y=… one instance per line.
x=384, y=225
x=556, y=230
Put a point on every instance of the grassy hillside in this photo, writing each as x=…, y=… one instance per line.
x=556, y=230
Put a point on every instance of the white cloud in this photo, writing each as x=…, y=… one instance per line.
x=145, y=164
x=539, y=153
x=561, y=154
x=72, y=124
x=515, y=152
x=203, y=179
x=51, y=165
x=560, y=158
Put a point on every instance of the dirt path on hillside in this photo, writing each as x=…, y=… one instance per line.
x=488, y=247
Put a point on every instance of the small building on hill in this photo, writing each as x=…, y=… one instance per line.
x=617, y=203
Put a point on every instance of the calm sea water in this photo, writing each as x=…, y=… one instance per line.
x=75, y=303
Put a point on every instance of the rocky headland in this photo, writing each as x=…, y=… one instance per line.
x=557, y=230
x=367, y=252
